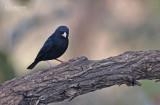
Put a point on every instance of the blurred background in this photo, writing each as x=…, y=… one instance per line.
x=98, y=29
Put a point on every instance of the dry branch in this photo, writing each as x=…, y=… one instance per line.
x=80, y=76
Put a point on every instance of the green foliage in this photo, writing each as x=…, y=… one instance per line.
x=6, y=69
x=23, y=2
x=150, y=87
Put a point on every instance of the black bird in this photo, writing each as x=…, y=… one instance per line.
x=54, y=47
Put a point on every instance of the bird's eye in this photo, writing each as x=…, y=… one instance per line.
x=61, y=32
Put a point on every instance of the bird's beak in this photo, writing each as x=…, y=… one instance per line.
x=64, y=34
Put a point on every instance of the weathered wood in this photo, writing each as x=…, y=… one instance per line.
x=80, y=76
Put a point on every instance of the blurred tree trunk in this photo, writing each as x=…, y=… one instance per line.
x=84, y=27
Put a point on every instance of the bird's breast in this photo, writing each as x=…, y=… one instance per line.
x=58, y=50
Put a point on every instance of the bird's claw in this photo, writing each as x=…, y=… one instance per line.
x=51, y=66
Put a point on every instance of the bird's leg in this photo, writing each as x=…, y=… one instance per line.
x=49, y=64
x=59, y=60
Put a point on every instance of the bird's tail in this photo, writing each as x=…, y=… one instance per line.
x=32, y=65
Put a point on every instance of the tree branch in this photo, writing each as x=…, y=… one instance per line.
x=80, y=76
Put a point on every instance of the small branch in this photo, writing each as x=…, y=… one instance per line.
x=80, y=76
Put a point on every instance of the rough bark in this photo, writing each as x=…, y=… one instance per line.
x=80, y=76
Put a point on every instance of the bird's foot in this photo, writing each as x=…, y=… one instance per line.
x=59, y=60
x=62, y=62
x=49, y=64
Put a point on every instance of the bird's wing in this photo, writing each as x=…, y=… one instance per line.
x=46, y=48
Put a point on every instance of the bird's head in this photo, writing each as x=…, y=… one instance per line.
x=63, y=32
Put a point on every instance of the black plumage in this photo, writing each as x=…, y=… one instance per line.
x=54, y=47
